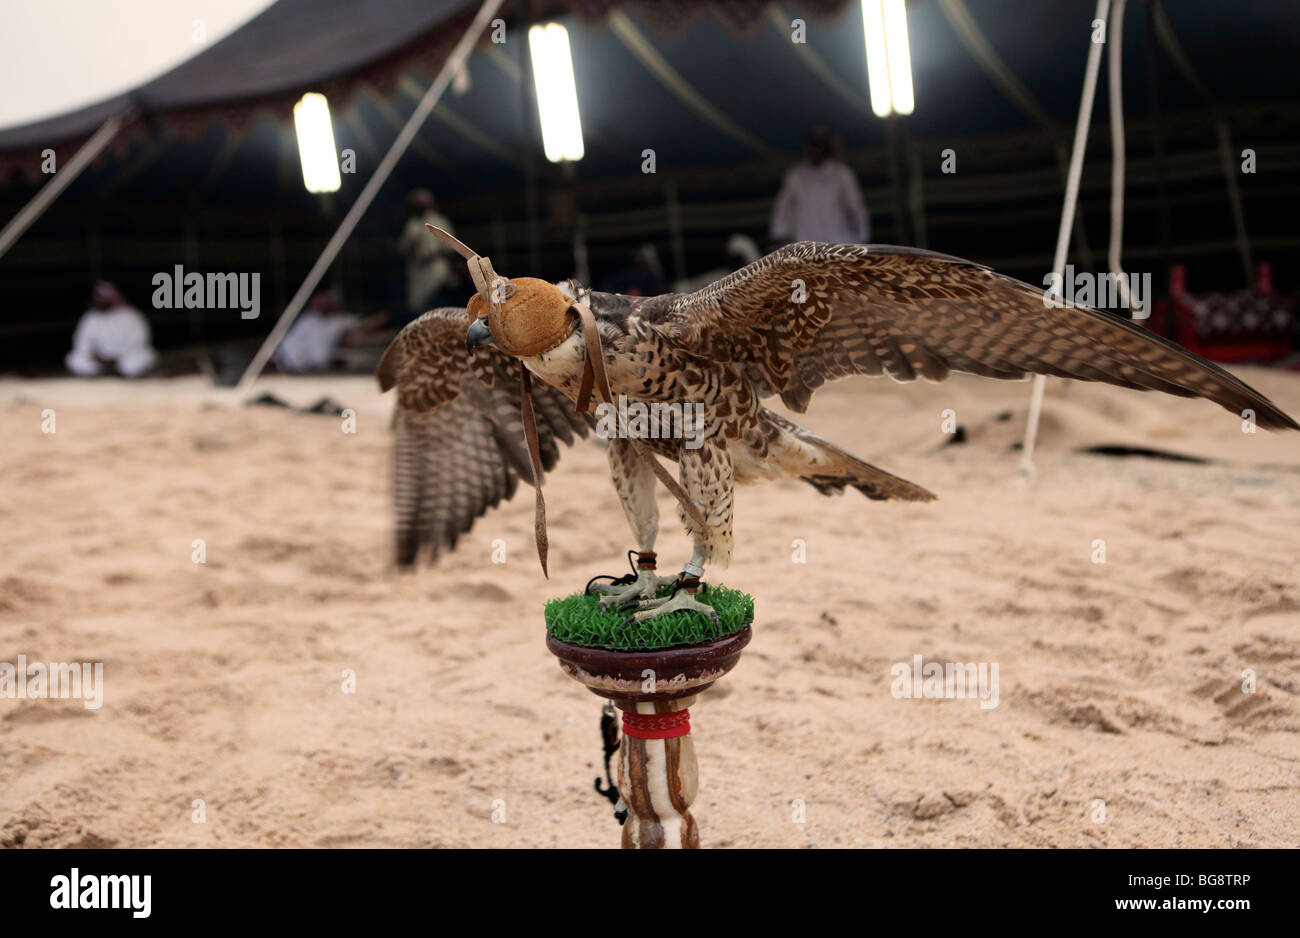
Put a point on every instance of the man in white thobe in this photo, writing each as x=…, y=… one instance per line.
x=111, y=334
x=428, y=260
x=820, y=199
x=310, y=342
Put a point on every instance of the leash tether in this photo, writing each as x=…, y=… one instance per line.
x=609, y=743
x=534, y=454
x=593, y=373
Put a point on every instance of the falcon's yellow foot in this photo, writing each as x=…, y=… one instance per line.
x=644, y=587
x=680, y=601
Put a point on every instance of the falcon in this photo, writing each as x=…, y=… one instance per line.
x=473, y=382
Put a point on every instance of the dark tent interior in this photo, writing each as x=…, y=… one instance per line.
x=206, y=173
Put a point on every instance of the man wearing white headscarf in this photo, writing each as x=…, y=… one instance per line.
x=112, y=334
x=311, y=342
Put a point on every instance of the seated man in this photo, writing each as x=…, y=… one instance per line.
x=310, y=342
x=111, y=333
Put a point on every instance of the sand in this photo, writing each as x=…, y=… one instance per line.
x=1121, y=719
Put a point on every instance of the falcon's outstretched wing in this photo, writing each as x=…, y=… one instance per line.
x=460, y=444
x=879, y=309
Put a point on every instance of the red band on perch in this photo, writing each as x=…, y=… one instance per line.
x=657, y=725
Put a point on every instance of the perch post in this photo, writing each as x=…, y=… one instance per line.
x=657, y=773
x=658, y=776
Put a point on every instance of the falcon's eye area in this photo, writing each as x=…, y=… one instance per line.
x=534, y=320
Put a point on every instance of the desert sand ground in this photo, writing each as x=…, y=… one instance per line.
x=1120, y=682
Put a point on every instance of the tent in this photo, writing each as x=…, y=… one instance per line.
x=204, y=170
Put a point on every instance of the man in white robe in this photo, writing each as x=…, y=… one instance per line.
x=820, y=199
x=310, y=342
x=113, y=335
x=428, y=260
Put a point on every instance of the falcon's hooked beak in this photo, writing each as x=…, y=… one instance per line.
x=479, y=334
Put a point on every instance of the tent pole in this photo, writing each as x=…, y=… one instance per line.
x=421, y=113
x=1082, y=247
x=60, y=181
x=1114, y=260
x=1067, y=222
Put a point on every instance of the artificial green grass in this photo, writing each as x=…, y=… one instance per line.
x=578, y=620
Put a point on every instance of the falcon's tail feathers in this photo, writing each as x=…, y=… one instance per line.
x=829, y=469
x=878, y=485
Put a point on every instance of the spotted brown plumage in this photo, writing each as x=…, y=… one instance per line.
x=459, y=440
x=805, y=314
x=908, y=313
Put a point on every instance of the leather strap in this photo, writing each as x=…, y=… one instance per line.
x=593, y=372
x=593, y=364
x=534, y=454
x=496, y=290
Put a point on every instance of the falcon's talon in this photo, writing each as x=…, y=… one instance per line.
x=654, y=602
x=630, y=606
x=681, y=601
x=618, y=595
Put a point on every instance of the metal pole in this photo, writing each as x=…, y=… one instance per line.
x=1115, y=34
x=421, y=113
x=1067, y=221
x=62, y=179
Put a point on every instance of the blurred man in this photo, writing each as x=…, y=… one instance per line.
x=428, y=260
x=820, y=199
x=112, y=335
x=316, y=333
